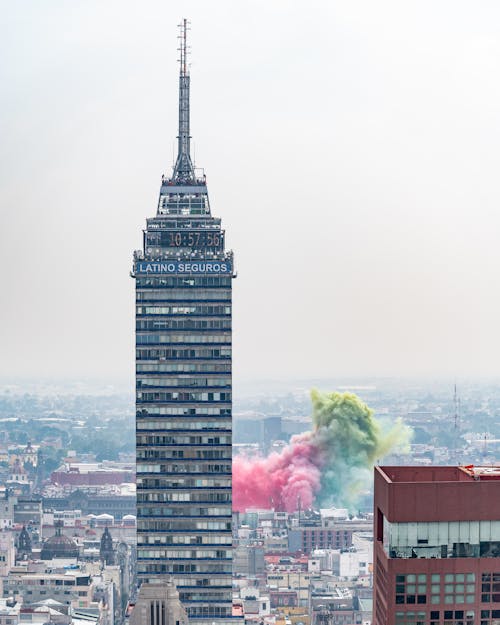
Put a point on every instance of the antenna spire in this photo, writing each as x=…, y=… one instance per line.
x=183, y=169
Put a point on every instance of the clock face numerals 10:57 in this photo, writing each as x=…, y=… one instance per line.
x=195, y=240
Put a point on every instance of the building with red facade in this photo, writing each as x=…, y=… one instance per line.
x=437, y=546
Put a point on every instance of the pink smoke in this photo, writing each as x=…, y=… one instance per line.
x=280, y=479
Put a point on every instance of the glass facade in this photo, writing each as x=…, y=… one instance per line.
x=183, y=399
x=444, y=539
x=183, y=389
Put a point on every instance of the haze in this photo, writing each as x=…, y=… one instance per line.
x=351, y=148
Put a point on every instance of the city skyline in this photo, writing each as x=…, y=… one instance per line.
x=395, y=104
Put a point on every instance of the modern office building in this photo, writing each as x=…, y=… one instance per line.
x=183, y=380
x=437, y=546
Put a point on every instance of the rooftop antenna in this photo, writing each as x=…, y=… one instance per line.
x=183, y=169
x=456, y=418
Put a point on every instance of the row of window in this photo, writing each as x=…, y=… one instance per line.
x=187, y=323
x=205, y=295
x=202, y=310
x=169, y=196
x=195, y=497
x=442, y=539
x=182, y=381
x=44, y=582
x=183, y=482
x=197, y=596
x=170, y=193
x=180, y=208
x=209, y=611
x=186, y=354
x=182, y=396
x=189, y=454
x=486, y=615
x=184, y=367
x=7, y=592
x=182, y=281
x=213, y=581
x=222, y=338
x=185, y=539
x=184, y=525
x=184, y=468
x=435, y=578
x=183, y=425
x=167, y=511
x=320, y=534
x=185, y=554
x=201, y=567
x=183, y=440
x=456, y=588
x=179, y=411
x=451, y=617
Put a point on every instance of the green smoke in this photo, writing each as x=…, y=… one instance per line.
x=350, y=440
x=330, y=465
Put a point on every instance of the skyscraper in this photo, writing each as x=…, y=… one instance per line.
x=437, y=546
x=183, y=385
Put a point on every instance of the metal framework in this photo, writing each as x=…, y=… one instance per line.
x=183, y=170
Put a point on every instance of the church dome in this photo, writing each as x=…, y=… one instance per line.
x=59, y=546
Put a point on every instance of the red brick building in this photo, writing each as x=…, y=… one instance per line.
x=437, y=546
x=75, y=477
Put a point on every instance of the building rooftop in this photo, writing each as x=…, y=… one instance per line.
x=482, y=473
x=409, y=474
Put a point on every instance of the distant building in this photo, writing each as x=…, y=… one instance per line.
x=27, y=511
x=437, y=545
x=307, y=539
x=63, y=587
x=7, y=552
x=29, y=454
x=85, y=475
x=96, y=501
x=106, y=551
x=18, y=474
x=59, y=546
x=158, y=604
x=283, y=597
x=24, y=545
x=248, y=560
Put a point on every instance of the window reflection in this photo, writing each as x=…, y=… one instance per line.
x=444, y=539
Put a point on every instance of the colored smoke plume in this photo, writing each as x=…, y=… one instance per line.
x=325, y=466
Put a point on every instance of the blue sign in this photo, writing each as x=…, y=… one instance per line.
x=179, y=266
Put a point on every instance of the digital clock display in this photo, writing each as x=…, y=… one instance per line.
x=193, y=239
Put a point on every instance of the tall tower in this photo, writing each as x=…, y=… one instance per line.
x=183, y=388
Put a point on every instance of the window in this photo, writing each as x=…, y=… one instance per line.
x=410, y=618
x=490, y=587
x=446, y=539
x=454, y=588
x=411, y=589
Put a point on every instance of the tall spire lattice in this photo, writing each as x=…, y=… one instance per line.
x=183, y=169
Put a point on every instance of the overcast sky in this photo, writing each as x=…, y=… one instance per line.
x=352, y=149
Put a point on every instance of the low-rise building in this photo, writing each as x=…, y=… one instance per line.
x=67, y=588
